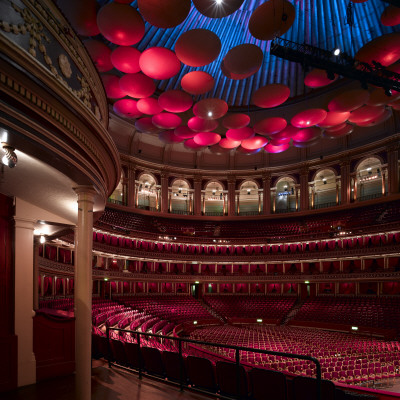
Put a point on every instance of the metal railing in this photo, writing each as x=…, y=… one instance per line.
x=370, y=197
x=182, y=342
x=248, y=213
x=114, y=201
x=326, y=205
x=214, y=213
x=180, y=212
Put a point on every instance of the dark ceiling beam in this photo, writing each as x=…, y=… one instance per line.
x=395, y=3
x=343, y=64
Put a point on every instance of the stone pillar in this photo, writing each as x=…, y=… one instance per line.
x=393, y=169
x=266, y=194
x=297, y=197
x=197, y=195
x=83, y=291
x=164, y=193
x=273, y=193
x=24, y=313
x=131, y=187
x=345, y=181
x=304, y=193
x=231, y=195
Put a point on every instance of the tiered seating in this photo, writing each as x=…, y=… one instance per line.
x=177, y=309
x=380, y=312
x=267, y=307
x=340, y=354
x=357, y=218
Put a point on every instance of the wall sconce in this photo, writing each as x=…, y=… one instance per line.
x=10, y=158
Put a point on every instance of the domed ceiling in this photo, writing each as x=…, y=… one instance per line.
x=197, y=78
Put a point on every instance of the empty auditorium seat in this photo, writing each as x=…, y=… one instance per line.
x=201, y=373
x=227, y=379
x=133, y=357
x=267, y=385
x=152, y=360
x=172, y=364
x=305, y=388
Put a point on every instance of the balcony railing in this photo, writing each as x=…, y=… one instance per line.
x=199, y=346
x=181, y=212
x=119, y=202
x=248, y=213
x=326, y=205
x=370, y=197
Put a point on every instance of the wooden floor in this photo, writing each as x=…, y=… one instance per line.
x=107, y=384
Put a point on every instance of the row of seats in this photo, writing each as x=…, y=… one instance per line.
x=382, y=312
x=250, y=306
x=201, y=373
x=349, y=219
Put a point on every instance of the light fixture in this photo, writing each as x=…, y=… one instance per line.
x=10, y=158
x=324, y=180
x=336, y=52
x=259, y=320
x=354, y=328
x=307, y=282
x=388, y=92
x=194, y=322
x=106, y=279
x=42, y=239
x=219, y=1
x=210, y=114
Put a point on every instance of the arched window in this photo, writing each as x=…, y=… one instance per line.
x=181, y=198
x=147, y=193
x=248, y=199
x=285, y=200
x=326, y=194
x=214, y=199
x=369, y=182
x=119, y=194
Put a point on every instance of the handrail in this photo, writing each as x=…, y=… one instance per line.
x=233, y=347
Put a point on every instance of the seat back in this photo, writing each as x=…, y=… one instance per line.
x=201, y=373
x=305, y=388
x=132, y=354
x=227, y=378
x=172, y=365
x=267, y=384
x=153, y=361
x=118, y=351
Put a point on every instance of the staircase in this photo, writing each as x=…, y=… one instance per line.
x=292, y=313
x=213, y=312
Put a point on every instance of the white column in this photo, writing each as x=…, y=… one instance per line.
x=83, y=291
x=24, y=300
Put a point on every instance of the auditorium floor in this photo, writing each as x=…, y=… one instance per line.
x=107, y=384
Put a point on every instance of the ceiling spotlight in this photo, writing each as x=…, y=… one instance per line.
x=210, y=114
x=336, y=52
x=10, y=158
x=42, y=239
x=219, y=1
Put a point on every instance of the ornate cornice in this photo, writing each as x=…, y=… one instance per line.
x=57, y=95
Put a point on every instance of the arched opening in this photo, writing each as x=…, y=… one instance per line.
x=118, y=196
x=214, y=199
x=147, y=193
x=325, y=189
x=180, y=198
x=248, y=199
x=286, y=196
x=369, y=181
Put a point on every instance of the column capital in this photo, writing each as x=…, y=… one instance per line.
x=393, y=147
x=25, y=223
x=266, y=176
x=231, y=180
x=197, y=179
x=304, y=169
x=85, y=192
